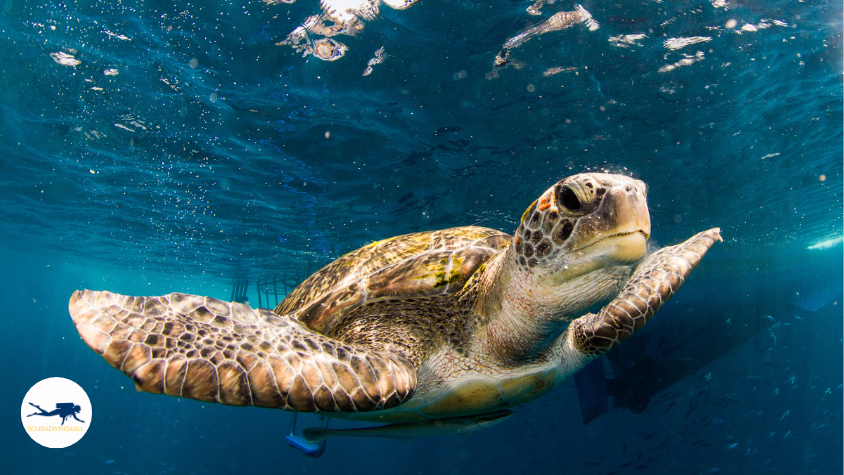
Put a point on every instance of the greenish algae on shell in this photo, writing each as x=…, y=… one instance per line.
x=410, y=266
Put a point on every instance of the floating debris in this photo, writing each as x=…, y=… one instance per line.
x=339, y=17
x=327, y=49
x=687, y=61
x=764, y=23
x=536, y=8
x=501, y=59
x=65, y=59
x=121, y=126
x=117, y=36
x=558, y=21
x=553, y=71
x=678, y=43
x=378, y=59
x=626, y=41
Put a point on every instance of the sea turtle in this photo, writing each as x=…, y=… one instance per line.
x=454, y=323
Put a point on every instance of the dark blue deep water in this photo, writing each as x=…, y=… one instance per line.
x=148, y=147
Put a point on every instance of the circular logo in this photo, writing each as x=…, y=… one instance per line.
x=56, y=412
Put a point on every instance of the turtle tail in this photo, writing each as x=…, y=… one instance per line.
x=655, y=281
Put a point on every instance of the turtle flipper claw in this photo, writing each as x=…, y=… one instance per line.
x=655, y=281
x=215, y=351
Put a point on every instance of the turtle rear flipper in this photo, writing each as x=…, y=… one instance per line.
x=215, y=351
x=655, y=281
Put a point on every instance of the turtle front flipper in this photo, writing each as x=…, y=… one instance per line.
x=654, y=282
x=215, y=351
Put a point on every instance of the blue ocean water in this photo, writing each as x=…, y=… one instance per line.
x=148, y=147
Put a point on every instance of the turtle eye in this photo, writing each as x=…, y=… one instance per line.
x=569, y=199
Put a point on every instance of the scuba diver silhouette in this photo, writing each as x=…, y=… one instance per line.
x=63, y=409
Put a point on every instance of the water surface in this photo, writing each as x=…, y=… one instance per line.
x=150, y=147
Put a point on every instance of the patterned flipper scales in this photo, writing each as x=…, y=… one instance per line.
x=655, y=281
x=215, y=351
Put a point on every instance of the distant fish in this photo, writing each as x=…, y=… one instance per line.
x=785, y=415
x=447, y=129
x=406, y=431
x=108, y=462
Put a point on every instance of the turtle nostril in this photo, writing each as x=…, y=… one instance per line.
x=569, y=199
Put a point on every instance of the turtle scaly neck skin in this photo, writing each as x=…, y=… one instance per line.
x=575, y=248
x=515, y=330
x=525, y=315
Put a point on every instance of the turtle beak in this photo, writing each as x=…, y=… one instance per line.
x=618, y=230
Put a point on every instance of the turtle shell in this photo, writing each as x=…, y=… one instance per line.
x=416, y=265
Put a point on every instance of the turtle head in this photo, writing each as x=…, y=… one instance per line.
x=574, y=250
x=581, y=240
